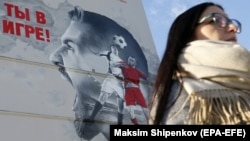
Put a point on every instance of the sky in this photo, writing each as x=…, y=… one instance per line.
x=161, y=13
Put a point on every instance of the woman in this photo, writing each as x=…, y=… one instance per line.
x=204, y=76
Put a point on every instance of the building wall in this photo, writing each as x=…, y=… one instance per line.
x=37, y=102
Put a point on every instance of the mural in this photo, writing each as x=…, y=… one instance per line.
x=63, y=57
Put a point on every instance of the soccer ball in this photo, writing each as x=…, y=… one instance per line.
x=119, y=41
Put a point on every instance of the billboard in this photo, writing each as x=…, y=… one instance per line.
x=69, y=69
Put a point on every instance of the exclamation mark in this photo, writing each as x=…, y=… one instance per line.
x=47, y=35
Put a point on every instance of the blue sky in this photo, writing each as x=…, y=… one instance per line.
x=161, y=13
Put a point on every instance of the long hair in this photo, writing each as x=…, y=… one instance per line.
x=180, y=33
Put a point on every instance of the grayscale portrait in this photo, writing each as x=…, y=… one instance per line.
x=93, y=53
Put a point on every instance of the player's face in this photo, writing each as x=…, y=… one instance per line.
x=131, y=61
x=114, y=50
x=75, y=53
x=75, y=59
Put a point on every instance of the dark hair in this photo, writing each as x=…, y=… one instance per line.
x=180, y=33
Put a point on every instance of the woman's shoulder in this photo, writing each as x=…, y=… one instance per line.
x=177, y=107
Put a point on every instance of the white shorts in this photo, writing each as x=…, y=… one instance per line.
x=112, y=85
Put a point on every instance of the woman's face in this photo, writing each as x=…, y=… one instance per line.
x=210, y=30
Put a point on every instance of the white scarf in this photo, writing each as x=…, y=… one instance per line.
x=216, y=75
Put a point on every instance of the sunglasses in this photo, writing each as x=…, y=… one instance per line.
x=221, y=21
